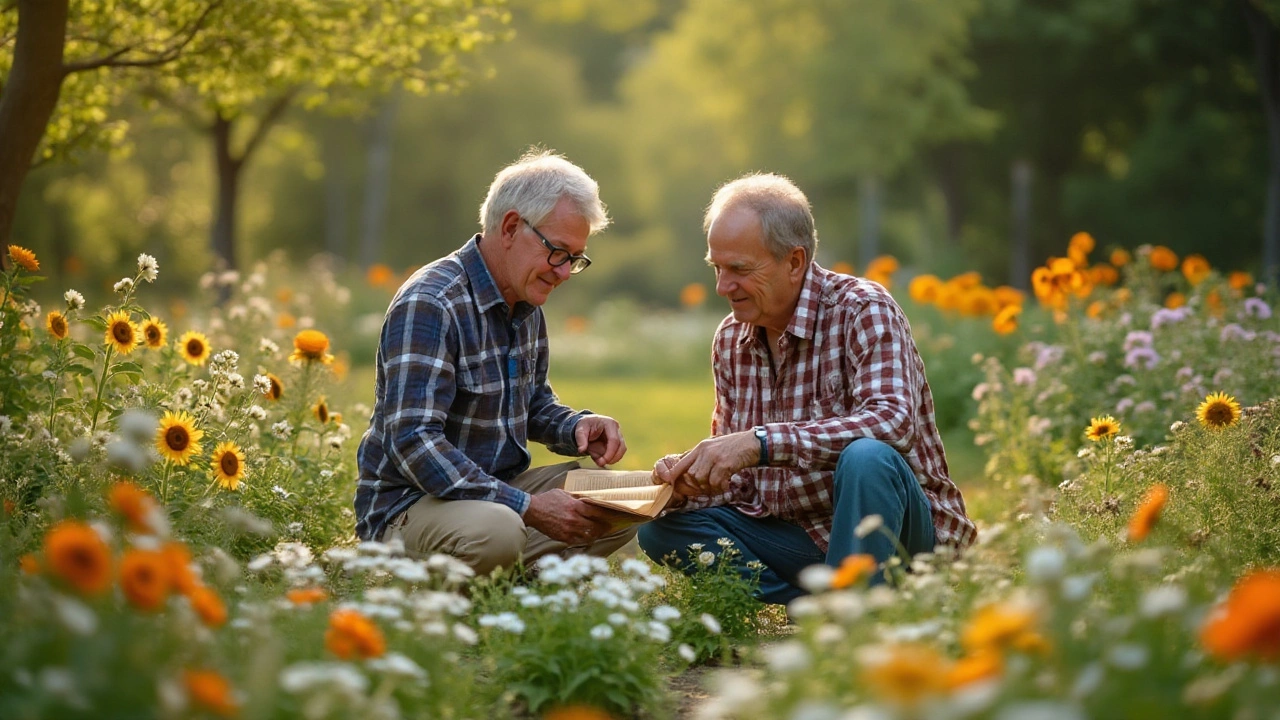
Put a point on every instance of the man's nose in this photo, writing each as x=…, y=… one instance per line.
x=562, y=271
x=723, y=286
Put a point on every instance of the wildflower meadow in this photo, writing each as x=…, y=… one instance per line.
x=177, y=534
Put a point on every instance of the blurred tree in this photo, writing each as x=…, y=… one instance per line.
x=231, y=69
x=1263, y=19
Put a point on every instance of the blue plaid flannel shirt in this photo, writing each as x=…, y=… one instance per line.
x=461, y=389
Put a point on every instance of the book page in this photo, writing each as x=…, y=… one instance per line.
x=577, y=481
x=614, y=494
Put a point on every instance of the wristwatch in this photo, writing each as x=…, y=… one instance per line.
x=763, y=436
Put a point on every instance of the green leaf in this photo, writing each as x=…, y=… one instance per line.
x=79, y=370
x=130, y=368
x=84, y=351
x=95, y=322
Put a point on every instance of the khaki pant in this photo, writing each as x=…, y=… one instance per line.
x=488, y=535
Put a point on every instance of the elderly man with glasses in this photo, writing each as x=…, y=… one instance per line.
x=462, y=387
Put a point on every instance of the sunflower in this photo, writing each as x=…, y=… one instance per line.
x=1219, y=410
x=228, y=465
x=351, y=634
x=24, y=257
x=177, y=438
x=76, y=553
x=121, y=333
x=154, y=333
x=211, y=691
x=276, y=390
x=311, y=346
x=1145, y=517
x=1102, y=428
x=321, y=411
x=207, y=604
x=144, y=578
x=194, y=347
x=56, y=323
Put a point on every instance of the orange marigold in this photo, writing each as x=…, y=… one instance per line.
x=1175, y=300
x=906, y=674
x=207, y=604
x=144, y=578
x=76, y=553
x=24, y=258
x=134, y=504
x=693, y=295
x=1120, y=257
x=1001, y=627
x=577, y=712
x=30, y=564
x=1006, y=321
x=311, y=346
x=924, y=288
x=1239, y=280
x=1145, y=517
x=210, y=690
x=975, y=668
x=1195, y=268
x=1248, y=623
x=1163, y=259
x=306, y=596
x=352, y=635
x=854, y=569
x=178, y=563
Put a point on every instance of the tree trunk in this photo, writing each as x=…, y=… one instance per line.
x=869, y=211
x=1021, y=174
x=29, y=96
x=377, y=183
x=335, y=188
x=1266, y=46
x=949, y=176
x=223, y=239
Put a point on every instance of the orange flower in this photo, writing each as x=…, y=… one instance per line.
x=286, y=320
x=210, y=690
x=207, y=604
x=306, y=596
x=378, y=275
x=907, y=674
x=30, y=564
x=924, y=288
x=1148, y=512
x=1001, y=627
x=178, y=564
x=1079, y=247
x=352, y=635
x=882, y=266
x=843, y=267
x=1104, y=274
x=577, y=712
x=144, y=578
x=979, y=302
x=1239, y=280
x=1175, y=300
x=24, y=258
x=693, y=295
x=284, y=294
x=9, y=506
x=1248, y=623
x=311, y=346
x=1195, y=268
x=134, y=504
x=1006, y=321
x=854, y=569
x=277, y=388
x=575, y=324
x=1120, y=257
x=1007, y=295
x=1095, y=309
x=975, y=668
x=1163, y=259
x=77, y=554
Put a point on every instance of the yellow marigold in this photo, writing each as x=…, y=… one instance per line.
x=949, y=295
x=311, y=346
x=177, y=437
x=144, y=578
x=693, y=295
x=967, y=280
x=1163, y=259
x=1102, y=428
x=155, y=333
x=1145, y=517
x=1247, y=624
x=1082, y=243
x=134, y=504
x=905, y=674
x=228, y=465
x=1001, y=627
x=1120, y=257
x=1219, y=410
x=194, y=347
x=883, y=265
x=76, y=553
x=979, y=301
x=1175, y=300
x=1104, y=274
x=1239, y=280
x=853, y=570
x=56, y=324
x=210, y=690
x=1195, y=268
x=352, y=635
x=207, y=604
x=321, y=410
x=306, y=596
x=843, y=267
x=24, y=258
x=121, y=333
x=1007, y=295
x=924, y=288
x=1006, y=321
x=177, y=560
x=277, y=388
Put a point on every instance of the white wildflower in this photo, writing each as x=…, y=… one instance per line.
x=665, y=613
x=394, y=664
x=6, y=424
x=256, y=412
x=1163, y=600
x=817, y=578
x=869, y=524
x=123, y=286
x=787, y=657
x=602, y=632
x=658, y=631
x=75, y=301
x=710, y=622
x=282, y=430
x=1176, y=426
x=1128, y=656
x=148, y=267
x=1045, y=564
x=686, y=652
x=706, y=557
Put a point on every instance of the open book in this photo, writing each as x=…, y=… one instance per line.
x=631, y=492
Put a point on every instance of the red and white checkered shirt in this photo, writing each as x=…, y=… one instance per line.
x=848, y=369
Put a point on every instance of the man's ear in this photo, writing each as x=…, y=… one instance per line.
x=509, y=227
x=797, y=261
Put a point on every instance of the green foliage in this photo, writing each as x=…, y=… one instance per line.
x=719, y=612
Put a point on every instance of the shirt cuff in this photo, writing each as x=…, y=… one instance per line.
x=517, y=500
x=782, y=443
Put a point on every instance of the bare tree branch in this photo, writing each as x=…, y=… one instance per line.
x=163, y=57
x=270, y=118
x=188, y=115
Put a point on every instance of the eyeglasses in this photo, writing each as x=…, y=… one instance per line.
x=557, y=256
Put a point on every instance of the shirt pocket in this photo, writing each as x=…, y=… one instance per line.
x=480, y=376
x=830, y=401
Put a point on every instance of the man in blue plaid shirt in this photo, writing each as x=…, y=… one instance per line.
x=462, y=387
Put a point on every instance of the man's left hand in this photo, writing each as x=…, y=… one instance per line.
x=600, y=437
x=710, y=465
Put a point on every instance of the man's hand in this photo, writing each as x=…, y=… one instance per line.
x=560, y=516
x=708, y=467
x=600, y=437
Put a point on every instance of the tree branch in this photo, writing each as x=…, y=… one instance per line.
x=272, y=115
x=163, y=57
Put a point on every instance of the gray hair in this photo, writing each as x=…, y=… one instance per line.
x=785, y=217
x=534, y=184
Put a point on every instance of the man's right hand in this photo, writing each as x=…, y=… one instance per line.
x=560, y=516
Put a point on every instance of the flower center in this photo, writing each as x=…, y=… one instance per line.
x=230, y=464
x=177, y=439
x=1218, y=414
x=195, y=348
x=153, y=334
x=122, y=333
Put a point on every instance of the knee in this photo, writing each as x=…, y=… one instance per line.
x=656, y=538
x=496, y=539
x=866, y=454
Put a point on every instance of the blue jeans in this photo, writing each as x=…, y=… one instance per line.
x=871, y=478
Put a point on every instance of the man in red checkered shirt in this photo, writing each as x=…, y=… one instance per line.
x=823, y=417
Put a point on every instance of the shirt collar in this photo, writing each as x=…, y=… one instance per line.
x=804, y=319
x=486, y=290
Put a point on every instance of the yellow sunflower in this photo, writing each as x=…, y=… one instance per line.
x=311, y=346
x=122, y=334
x=24, y=257
x=277, y=388
x=321, y=411
x=56, y=324
x=177, y=438
x=1102, y=428
x=154, y=333
x=194, y=347
x=1219, y=410
x=228, y=465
